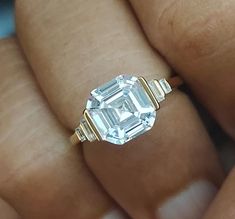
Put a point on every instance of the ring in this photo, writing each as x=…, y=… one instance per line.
x=122, y=109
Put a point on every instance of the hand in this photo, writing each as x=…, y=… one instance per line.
x=72, y=47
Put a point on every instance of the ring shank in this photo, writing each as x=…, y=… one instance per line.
x=175, y=81
x=74, y=139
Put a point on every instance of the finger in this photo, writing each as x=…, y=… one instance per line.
x=223, y=206
x=41, y=175
x=159, y=177
x=94, y=42
x=197, y=37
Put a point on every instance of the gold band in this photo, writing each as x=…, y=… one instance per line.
x=175, y=81
x=74, y=139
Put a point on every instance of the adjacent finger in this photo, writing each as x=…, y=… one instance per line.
x=41, y=175
x=84, y=44
x=197, y=37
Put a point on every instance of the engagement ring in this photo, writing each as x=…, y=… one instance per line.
x=122, y=109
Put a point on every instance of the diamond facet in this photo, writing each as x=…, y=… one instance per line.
x=121, y=109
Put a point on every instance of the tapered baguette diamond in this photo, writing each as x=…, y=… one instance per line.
x=157, y=90
x=86, y=131
x=165, y=86
x=121, y=109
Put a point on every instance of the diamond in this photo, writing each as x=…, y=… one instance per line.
x=157, y=90
x=81, y=136
x=165, y=86
x=87, y=130
x=121, y=109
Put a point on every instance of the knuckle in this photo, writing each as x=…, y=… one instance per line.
x=200, y=39
x=192, y=33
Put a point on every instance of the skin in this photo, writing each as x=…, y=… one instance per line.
x=48, y=173
x=63, y=51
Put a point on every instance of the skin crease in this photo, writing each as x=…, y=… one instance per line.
x=7, y=211
x=71, y=53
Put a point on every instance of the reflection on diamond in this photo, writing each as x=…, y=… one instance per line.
x=121, y=109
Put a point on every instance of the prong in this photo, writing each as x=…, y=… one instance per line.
x=91, y=125
x=149, y=92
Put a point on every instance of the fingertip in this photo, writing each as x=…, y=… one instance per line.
x=114, y=214
x=190, y=203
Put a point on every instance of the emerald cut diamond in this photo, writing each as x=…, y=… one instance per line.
x=121, y=109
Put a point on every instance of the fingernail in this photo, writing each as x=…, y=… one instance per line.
x=190, y=203
x=114, y=214
x=6, y=211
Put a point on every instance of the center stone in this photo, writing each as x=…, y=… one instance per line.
x=121, y=109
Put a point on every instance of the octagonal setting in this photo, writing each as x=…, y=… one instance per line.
x=121, y=109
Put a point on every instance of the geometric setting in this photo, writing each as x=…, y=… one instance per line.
x=122, y=109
